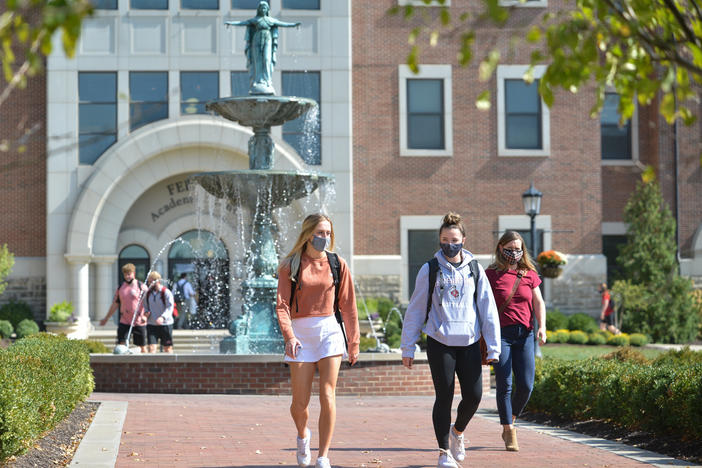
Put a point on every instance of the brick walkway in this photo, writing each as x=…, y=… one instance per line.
x=256, y=431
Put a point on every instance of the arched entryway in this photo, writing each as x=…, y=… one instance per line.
x=137, y=256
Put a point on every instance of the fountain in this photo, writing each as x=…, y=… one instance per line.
x=261, y=188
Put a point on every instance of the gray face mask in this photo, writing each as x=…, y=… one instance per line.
x=320, y=244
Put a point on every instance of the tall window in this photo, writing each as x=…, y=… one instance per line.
x=304, y=133
x=137, y=256
x=421, y=245
x=199, y=4
x=245, y=4
x=301, y=4
x=148, y=4
x=97, y=114
x=523, y=127
x=240, y=83
x=104, y=4
x=148, y=98
x=196, y=88
x=610, y=248
x=616, y=139
x=522, y=115
x=425, y=114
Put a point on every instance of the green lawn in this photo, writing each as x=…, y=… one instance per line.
x=571, y=352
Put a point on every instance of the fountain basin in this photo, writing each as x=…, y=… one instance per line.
x=261, y=111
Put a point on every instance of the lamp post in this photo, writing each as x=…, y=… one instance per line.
x=532, y=207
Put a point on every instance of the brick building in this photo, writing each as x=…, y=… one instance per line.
x=103, y=181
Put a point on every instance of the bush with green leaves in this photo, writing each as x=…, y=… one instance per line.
x=60, y=311
x=627, y=353
x=6, y=329
x=679, y=356
x=15, y=312
x=96, y=347
x=638, y=339
x=7, y=261
x=581, y=321
x=621, y=339
x=577, y=337
x=561, y=336
x=26, y=328
x=660, y=398
x=556, y=320
x=42, y=379
x=596, y=339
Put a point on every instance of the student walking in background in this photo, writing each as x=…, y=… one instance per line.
x=452, y=303
x=159, y=309
x=128, y=299
x=515, y=285
x=315, y=294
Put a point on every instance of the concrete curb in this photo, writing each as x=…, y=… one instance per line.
x=100, y=445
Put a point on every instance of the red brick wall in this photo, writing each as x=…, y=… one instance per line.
x=138, y=375
x=475, y=181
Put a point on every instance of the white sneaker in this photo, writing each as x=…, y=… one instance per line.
x=446, y=460
x=322, y=462
x=303, y=450
x=456, y=444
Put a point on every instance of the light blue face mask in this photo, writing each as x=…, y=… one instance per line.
x=320, y=244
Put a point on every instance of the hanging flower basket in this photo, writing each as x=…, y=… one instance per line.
x=551, y=271
x=551, y=263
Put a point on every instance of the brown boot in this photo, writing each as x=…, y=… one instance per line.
x=510, y=438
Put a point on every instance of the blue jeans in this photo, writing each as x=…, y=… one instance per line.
x=517, y=354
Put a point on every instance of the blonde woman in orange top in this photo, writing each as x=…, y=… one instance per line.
x=313, y=337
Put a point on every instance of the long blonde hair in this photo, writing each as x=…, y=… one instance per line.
x=308, y=226
x=524, y=263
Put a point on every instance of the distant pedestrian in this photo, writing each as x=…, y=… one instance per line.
x=159, y=309
x=185, y=299
x=454, y=317
x=314, y=285
x=607, y=315
x=128, y=299
x=515, y=285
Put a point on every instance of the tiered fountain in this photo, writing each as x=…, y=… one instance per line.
x=261, y=188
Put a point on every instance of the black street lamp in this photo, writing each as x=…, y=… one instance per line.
x=532, y=207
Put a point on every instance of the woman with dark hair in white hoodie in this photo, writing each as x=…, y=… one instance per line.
x=454, y=317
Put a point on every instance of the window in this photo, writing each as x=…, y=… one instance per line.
x=199, y=4
x=523, y=127
x=425, y=111
x=245, y=4
x=301, y=4
x=148, y=98
x=616, y=139
x=610, y=249
x=240, y=83
x=149, y=4
x=104, y=4
x=97, y=114
x=196, y=88
x=304, y=133
x=137, y=256
x=422, y=245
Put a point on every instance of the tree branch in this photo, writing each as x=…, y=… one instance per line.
x=683, y=24
x=21, y=71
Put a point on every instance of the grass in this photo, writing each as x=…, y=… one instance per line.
x=573, y=352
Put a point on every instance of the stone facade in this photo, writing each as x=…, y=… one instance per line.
x=31, y=290
x=379, y=286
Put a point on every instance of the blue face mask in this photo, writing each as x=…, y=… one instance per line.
x=320, y=244
x=451, y=250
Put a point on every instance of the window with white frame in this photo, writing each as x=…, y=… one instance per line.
x=148, y=4
x=301, y=4
x=196, y=88
x=104, y=4
x=425, y=111
x=304, y=132
x=245, y=4
x=619, y=143
x=240, y=83
x=523, y=126
x=199, y=4
x=419, y=242
x=97, y=114
x=148, y=98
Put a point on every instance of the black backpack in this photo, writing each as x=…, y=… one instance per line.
x=179, y=291
x=434, y=269
x=336, y=274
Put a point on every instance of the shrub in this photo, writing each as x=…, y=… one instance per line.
x=42, y=378
x=561, y=336
x=96, y=347
x=626, y=354
x=577, y=337
x=7, y=261
x=26, y=327
x=15, y=312
x=6, y=329
x=60, y=312
x=383, y=306
x=619, y=340
x=596, y=339
x=582, y=322
x=556, y=320
x=367, y=343
x=606, y=334
x=550, y=336
x=679, y=356
x=638, y=339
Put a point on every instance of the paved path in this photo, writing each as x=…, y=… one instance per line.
x=215, y=431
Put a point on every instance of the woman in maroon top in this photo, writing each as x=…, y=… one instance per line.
x=515, y=285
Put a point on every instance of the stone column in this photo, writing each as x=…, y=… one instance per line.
x=105, y=285
x=79, y=266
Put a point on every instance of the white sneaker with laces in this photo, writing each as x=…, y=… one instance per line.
x=446, y=460
x=303, y=449
x=456, y=444
x=322, y=462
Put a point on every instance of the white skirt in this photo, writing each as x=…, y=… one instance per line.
x=320, y=337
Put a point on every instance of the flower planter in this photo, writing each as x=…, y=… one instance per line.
x=71, y=330
x=551, y=271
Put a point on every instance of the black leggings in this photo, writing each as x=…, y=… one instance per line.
x=444, y=362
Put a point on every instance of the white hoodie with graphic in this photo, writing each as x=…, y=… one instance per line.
x=452, y=319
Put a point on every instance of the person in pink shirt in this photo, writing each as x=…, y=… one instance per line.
x=128, y=298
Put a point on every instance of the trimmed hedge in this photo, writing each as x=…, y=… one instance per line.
x=555, y=320
x=618, y=340
x=26, y=328
x=15, y=312
x=6, y=329
x=577, y=337
x=596, y=339
x=581, y=321
x=42, y=379
x=663, y=399
x=638, y=339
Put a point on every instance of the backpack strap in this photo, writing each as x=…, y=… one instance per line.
x=335, y=266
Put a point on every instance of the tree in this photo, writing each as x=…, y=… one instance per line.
x=7, y=261
x=654, y=298
x=639, y=47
